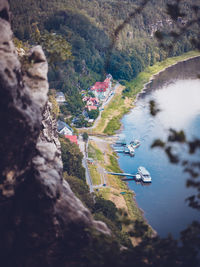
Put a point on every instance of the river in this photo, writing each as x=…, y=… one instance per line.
x=177, y=94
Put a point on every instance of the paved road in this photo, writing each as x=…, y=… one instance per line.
x=84, y=162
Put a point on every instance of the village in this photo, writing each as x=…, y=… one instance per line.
x=94, y=100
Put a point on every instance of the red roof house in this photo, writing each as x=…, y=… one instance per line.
x=100, y=86
x=72, y=138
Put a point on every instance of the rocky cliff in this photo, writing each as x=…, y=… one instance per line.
x=42, y=222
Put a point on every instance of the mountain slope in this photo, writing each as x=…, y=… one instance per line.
x=89, y=27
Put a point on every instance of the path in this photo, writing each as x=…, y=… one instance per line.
x=82, y=147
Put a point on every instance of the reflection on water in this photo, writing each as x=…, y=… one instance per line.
x=177, y=93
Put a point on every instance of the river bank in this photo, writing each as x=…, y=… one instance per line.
x=123, y=102
x=110, y=122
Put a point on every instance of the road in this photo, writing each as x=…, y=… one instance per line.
x=100, y=169
x=82, y=147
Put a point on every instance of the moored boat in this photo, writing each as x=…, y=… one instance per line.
x=135, y=143
x=145, y=175
x=131, y=150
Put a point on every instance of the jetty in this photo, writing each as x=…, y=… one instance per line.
x=121, y=142
x=127, y=176
x=142, y=175
x=127, y=150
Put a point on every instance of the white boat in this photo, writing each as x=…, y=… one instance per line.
x=135, y=143
x=131, y=150
x=145, y=175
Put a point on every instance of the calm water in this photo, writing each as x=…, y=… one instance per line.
x=177, y=93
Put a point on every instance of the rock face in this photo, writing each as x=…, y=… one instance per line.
x=42, y=222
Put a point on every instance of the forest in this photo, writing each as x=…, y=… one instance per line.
x=87, y=29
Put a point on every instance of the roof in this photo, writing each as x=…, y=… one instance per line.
x=143, y=171
x=107, y=80
x=60, y=94
x=100, y=86
x=92, y=99
x=109, y=76
x=61, y=125
x=72, y=138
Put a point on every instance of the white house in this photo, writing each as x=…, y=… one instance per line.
x=63, y=128
x=60, y=97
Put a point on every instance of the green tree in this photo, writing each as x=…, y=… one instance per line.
x=72, y=159
x=85, y=136
x=93, y=114
x=80, y=189
x=107, y=208
x=55, y=45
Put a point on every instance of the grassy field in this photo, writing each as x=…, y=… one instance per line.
x=96, y=179
x=112, y=114
x=94, y=152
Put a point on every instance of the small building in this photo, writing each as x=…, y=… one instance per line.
x=63, y=128
x=60, y=97
x=90, y=160
x=100, y=90
x=72, y=138
x=91, y=120
x=91, y=101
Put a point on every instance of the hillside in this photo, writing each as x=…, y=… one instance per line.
x=88, y=26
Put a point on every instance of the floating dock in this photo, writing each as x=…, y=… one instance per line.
x=130, y=177
x=127, y=150
x=121, y=142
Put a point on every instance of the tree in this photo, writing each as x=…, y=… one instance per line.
x=93, y=114
x=72, y=159
x=106, y=207
x=56, y=46
x=80, y=189
x=85, y=136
